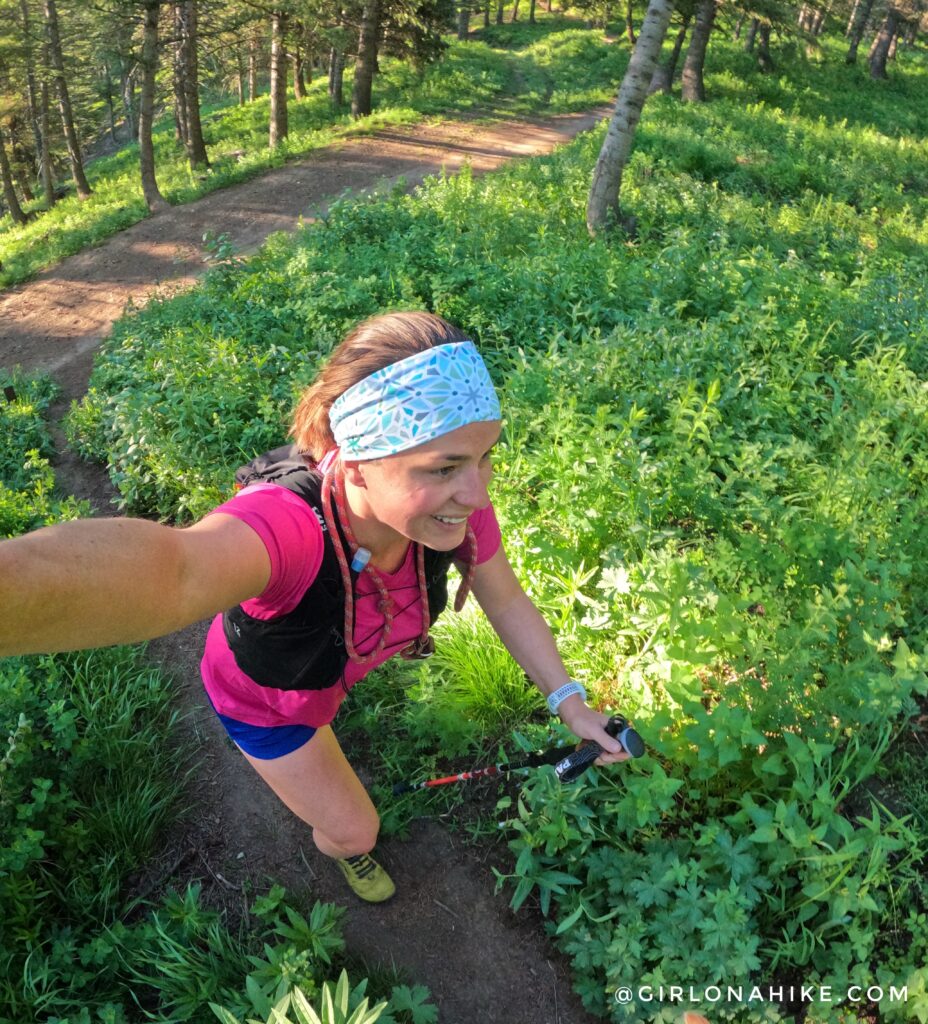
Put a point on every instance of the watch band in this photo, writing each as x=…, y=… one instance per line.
x=567, y=690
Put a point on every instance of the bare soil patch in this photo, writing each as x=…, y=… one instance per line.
x=445, y=928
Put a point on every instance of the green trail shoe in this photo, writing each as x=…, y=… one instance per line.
x=367, y=878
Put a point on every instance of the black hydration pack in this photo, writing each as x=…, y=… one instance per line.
x=304, y=649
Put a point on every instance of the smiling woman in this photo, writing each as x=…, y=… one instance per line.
x=319, y=577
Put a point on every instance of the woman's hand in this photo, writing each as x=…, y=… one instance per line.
x=588, y=724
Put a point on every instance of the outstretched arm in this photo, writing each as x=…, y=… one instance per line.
x=96, y=582
x=528, y=639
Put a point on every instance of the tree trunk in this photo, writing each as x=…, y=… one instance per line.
x=24, y=187
x=880, y=49
x=662, y=79
x=764, y=60
x=196, y=146
x=892, y=47
x=463, y=20
x=515, y=12
x=367, y=59
x=856, y=33
x=110, y=105
x=752, y=35
x=299, y=77
x=336, y=77
x=240, y=78
x=603, y=203
x=278, y=126
x=852, y=19
x=45, y=159
x=128, y=102
x=629, y=24
x=252, y=66
x=181, y=131
x=486, y=14
x=499, y=12
x=694, y=89
x=149, y=61
x=736, y=34
x=64, y=101
x=531, y=13
x=32, y=92
x=9, y=192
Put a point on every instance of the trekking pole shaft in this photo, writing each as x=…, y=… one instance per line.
x=548, y=757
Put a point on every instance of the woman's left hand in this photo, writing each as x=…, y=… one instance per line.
x=588, y=724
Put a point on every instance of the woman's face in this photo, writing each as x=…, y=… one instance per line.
x=424, y=494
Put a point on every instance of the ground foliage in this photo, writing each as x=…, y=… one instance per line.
x=79, y=822
x=711, y=479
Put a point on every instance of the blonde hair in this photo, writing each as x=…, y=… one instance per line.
x=372, y=345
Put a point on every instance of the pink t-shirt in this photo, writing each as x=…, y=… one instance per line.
x=293, y=537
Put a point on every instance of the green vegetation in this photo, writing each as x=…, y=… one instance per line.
x=551, y=67
x=712, y=481
x=78, y=819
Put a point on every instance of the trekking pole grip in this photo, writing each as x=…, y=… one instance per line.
x=576, y=763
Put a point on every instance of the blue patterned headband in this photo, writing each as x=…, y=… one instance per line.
x=414, y=401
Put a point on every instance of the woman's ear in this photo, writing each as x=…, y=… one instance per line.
x=354, y=474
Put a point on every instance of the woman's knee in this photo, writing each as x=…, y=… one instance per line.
x=353, y=838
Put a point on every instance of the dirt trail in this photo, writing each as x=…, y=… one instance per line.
x=445, y=928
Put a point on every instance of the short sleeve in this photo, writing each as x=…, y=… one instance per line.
x=489, y=538
x=292, y=535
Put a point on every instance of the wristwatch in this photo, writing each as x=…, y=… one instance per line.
x=567, y=690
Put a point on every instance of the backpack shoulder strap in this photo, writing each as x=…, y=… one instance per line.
x=286, y=466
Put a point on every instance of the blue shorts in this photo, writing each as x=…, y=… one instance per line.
x=265, y=742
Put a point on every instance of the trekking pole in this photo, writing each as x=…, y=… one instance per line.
x=569, y=762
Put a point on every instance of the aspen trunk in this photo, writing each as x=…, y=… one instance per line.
x=499, y=12
x=629, y=24
x=64, y=101
x=367, y=60
x=278, y=127
x=603, y=203
x=739, y=24
x=149, y=61
x=694, y=89
x=531, y=13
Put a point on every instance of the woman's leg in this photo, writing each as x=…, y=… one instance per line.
x=319, y=785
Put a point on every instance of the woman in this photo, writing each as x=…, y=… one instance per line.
x=317, y=581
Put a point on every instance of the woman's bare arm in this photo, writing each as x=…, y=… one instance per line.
x=96, y=582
